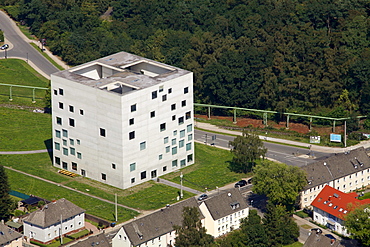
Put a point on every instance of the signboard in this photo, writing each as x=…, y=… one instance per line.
x=314, y=139
x=335, y=138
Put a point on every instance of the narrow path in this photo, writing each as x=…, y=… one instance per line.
x=178, y=186
x=66, y=187
x=25, y=152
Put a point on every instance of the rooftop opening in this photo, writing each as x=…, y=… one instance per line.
x=96, y=71
x=149, y=69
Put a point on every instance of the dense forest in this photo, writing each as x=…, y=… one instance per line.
x=310, y=56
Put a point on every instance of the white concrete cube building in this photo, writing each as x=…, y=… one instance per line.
x=122, y=119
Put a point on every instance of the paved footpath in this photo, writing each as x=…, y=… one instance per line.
x=25, y=152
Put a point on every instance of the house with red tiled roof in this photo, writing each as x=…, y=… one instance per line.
x=331, y=206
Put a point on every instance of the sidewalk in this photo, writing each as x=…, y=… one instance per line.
x=210, y=127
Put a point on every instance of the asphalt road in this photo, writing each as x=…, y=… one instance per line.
x=19, y=48
x=283, y=153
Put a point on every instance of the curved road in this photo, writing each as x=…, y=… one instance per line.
x=20, y=48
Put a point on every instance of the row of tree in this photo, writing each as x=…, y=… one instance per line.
x=290, y=55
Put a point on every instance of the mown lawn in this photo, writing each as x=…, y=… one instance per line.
x=18, y=72
x=210, y=169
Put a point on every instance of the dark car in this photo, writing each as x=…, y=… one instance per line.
x=4, y=47
x=241, y=183
x=330, y=236
x=202, y=197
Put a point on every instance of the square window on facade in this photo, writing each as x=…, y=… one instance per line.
x=181, y=143
x=162, y=127
x=165, y=140
x=57, y=145
x=131, y=121
x=174, y=163
x=153, y=174
x=186, y=90
x=152, y=114
x=104, y=176
x=187, y=115
x=55, y=92
x=113, y=166
x=167, y=149
x=102, y=132
x=154, y=94
x=173, y=141
x=65, y=165
x=160, y=156
x=181, y=120
x=59, y=120
x=132, y=167
x=71, y=122
x=57, y=160
x=190, y=157
x=188, y=146
x=173, y=117
x=57, y=133
x=65, y=133
x=164, y=97
x=182, y=133
x=133, y=108
x=132, y=180
x=65, y=151
x=79, y=155
x=142, y=145
x=182, y=162
x=174, y=150
x=131, y=135
x=169, y=90
x=71, y=108
x=183, y=103
x=173, y=107
x=164, y=168
x=72, y=151
x=189, y=128
x=61, y=105
x=71, y=141
x=143, y=175
x=61, y=91
x=81, y=112
x=74, y=166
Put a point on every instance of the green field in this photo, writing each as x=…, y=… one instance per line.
x=18, y=72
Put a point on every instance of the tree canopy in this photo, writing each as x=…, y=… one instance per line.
x=246, y=149
x=357, y=222
x=279, y=182
x=6, y=203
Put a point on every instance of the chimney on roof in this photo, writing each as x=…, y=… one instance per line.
x=329, y=198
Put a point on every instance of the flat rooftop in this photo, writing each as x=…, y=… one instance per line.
x=121, y=73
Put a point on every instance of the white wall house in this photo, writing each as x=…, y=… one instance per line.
x=9, y=237
x=53, y=220
x=122, y=119
x=331, y=206
x=346, y=172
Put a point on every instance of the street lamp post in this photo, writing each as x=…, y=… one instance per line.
x=181, y=194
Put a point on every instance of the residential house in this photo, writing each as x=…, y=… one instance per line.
x=317, y=239
x=122, y=119
x=98, y=240
x=346, y=172
x=331, y=206
x=9, y=237
x=224, y=212
x=53, y=220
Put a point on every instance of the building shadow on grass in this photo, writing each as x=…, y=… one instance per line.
x=49, y=146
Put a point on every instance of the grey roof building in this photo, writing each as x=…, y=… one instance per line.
x=346, y=172
x=96, y=240
x=8, y=235
x=317, y=239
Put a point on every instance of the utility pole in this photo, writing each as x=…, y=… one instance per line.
x=345, y=134
x=115, y=206
x=181, y=194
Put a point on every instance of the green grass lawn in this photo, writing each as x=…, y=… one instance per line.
x=18, y=72
x=210, y=169
x=23, y=129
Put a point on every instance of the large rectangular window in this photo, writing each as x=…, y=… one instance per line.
x=182, y=133
x=74, y=166
x=72, y=151
x=79, y=155
x=165, y=140
x=59, y=120
x=154, y=94
x=153, y=174
x=168, y=149
x=102, y=132
x=132, y=167
x=131, y=135
x=65, y=151
x=181, y=120
x=103, y=176
x=182, y=162
x=61, y=91
x=71, y=122
x=174, y=163
x=152, y=114
x=71, y=108
x=57, y=133
x=57, y=145
x=57, y=160
x=190, y=157
x=143, y=175
x=162, y=127
x=174, y=150
x=65, y=133
x=142, y=145
x=131, y=121
x=65, y=165
x=183, y=103
x=181, y=143
x=61, y=105
x=190, y=137
x=186, y=90
x=187, y=115
x=173, y=142
x=133, y=108
x=164, y=97
x=188, y=146
x=189, y=128
x=173, y=107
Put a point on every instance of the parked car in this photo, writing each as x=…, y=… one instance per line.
x=4, y=47
x=330, y=236
x=202, y=197
x=241, y=183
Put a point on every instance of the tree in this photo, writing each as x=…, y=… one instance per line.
x=191, y=232
x=357, y=222
x=279, y=182
x=253, y=231
x=280, y=227
x=246, y=150
x=5, y=200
